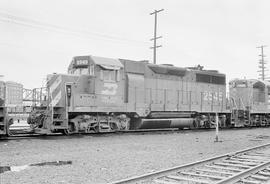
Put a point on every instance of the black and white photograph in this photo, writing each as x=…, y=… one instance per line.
x=134, y=92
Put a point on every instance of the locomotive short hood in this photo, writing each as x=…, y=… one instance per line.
x=107, y=63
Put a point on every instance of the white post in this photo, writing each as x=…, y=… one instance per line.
x=216, y=140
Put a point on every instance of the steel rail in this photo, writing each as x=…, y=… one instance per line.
x=244, y=174
x=157, y=131
x=142, y=131
x=165, y=172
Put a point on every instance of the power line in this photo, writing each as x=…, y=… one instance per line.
x=262, y=63
x=9, y=18
x=85, y=36
x=155, y=36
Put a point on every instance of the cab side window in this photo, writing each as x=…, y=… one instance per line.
x=110, y=75
x=84, y=71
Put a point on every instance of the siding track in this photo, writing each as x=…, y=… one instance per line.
x=249, y=166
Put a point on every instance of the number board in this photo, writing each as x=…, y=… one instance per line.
x=82, y=62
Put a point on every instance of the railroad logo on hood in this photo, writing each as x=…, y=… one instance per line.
x=109, y=89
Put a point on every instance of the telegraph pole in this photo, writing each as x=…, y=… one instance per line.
x=262, y=63
x=155, y=36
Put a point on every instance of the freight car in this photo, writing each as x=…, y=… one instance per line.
x=102, y=94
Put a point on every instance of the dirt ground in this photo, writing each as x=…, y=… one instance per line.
x=110, y=157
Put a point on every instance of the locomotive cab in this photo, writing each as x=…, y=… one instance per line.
x=89, y=98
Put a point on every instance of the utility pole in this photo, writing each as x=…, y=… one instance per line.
x=155, y=36
x=262, y=64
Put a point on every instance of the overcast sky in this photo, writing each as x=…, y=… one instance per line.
x=39, y=37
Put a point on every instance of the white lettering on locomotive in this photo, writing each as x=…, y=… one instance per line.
x=82, y=62
x=109, y=99
x=215, y=96
x=220, y=96
x=109, y=89
x=206, y=96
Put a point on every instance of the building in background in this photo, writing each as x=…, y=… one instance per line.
x=14, y=96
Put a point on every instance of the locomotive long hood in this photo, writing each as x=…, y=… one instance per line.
x=169, y=70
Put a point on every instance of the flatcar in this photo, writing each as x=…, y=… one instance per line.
x=103, y=94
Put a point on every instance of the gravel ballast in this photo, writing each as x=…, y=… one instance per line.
x=110, y=157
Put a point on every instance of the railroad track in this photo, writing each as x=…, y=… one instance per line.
x=249, y=166
x=17, y=136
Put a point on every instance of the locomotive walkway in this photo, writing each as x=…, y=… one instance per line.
x=250, y=166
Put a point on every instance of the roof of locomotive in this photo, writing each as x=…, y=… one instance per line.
x=169, y=69
x=107, y=63
x=250, y=82
x=138, y=66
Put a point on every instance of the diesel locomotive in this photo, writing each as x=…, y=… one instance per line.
x=104, y=95
x=249, y=102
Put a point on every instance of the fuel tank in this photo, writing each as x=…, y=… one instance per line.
x=166, y=123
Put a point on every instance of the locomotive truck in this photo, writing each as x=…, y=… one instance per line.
x=102, y=94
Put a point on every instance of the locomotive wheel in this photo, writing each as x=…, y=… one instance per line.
x=7, y=131
x=96, y=129
x=196, y=124
x=114, y=127
x=65, y=132
x=207, y=124
x=70, y=130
